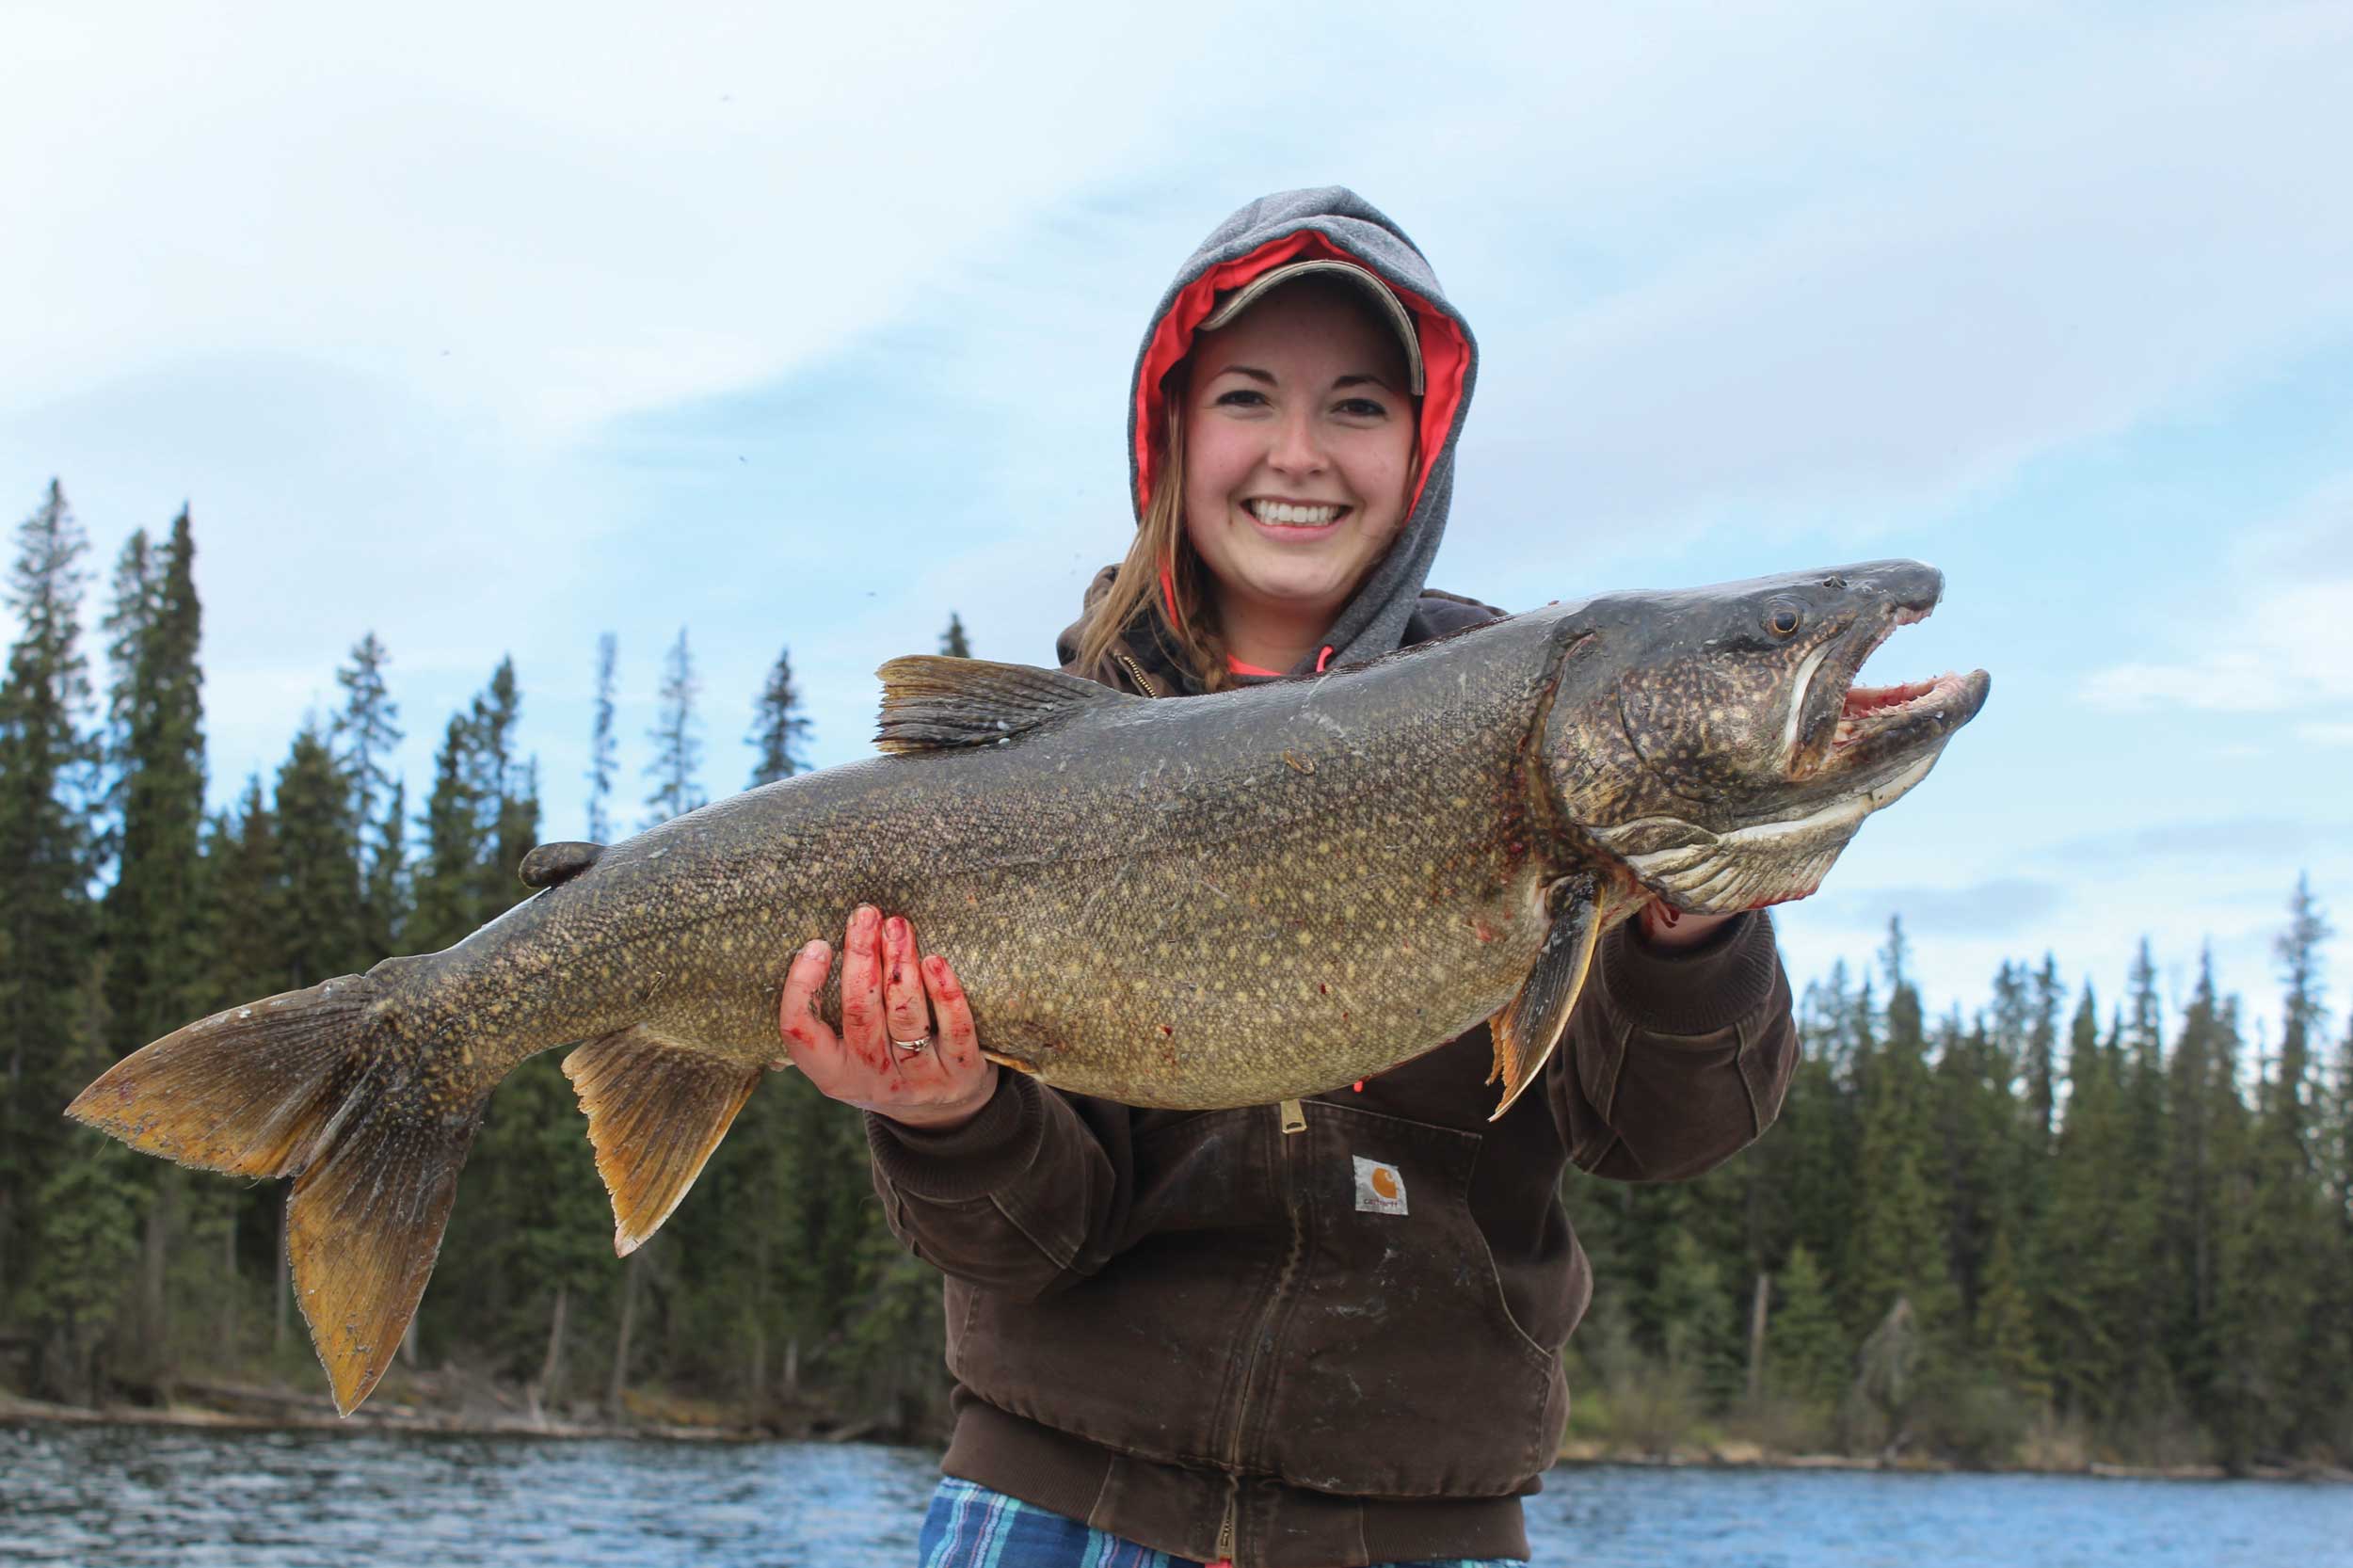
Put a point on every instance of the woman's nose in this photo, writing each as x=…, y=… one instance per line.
x=1297, y=448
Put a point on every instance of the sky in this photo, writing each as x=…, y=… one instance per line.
x=491, y=329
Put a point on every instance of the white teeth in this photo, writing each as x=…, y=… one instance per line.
x=1285, y=515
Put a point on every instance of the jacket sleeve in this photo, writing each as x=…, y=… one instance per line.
x=1675, y=1059
x=1024, y=1198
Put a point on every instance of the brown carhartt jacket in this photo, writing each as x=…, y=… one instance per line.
x=1331, y=1343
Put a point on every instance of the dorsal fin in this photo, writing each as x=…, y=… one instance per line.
x=931, y=702
x=549, y=864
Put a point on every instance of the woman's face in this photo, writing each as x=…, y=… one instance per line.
x=1299, y=450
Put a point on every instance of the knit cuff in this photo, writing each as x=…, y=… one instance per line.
x=1711, y=984
x=968, y=1161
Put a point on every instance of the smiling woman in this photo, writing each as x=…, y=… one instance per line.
x=1326, y=1331
x=1299, y=462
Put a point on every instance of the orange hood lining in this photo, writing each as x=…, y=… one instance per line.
x=1444, y=352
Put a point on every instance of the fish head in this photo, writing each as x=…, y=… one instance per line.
x=1716, y=741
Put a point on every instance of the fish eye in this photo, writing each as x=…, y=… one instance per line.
x=1783, y=618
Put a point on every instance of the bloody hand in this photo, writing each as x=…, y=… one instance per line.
x=891, y=992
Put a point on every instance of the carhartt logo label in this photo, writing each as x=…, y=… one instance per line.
x=1379, y=1188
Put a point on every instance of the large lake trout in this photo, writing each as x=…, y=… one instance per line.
x=1194, y=902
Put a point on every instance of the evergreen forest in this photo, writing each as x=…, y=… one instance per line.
x=2064, y=1228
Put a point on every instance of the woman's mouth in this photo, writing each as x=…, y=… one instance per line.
x=1295, y=518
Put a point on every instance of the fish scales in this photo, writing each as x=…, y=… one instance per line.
x=1268, y=913
x=1189, y=903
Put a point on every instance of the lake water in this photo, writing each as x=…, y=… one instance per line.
x=129, y=1495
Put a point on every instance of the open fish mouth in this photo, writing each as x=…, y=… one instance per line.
x=1870, y=727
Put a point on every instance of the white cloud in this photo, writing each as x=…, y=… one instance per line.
x=1976, y=245
x=2272, y=633
x=543, y=216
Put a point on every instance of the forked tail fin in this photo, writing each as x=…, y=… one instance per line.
x=320, y=1086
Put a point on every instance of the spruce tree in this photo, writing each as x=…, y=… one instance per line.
x=602, y=757
x=1698, y=1338
x=2191, y=1212
x=319, y=859
x=952, y=642
x=386, y=897
x=367, y=732
x=157, y=946
x=247, y=883
x=46, y=853
x=678, y=750
x=131, y=609
x=779, y=736
x=448, y=872
x=2294, y=1348
x=1900, y=1245
x=2004, y=1328
x=1807, y=1358
x=505, y=791
x=2042, y=1052
x=2093, y=1251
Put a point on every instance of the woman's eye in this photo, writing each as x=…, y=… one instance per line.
x=1362, y=407
x=1241, y=397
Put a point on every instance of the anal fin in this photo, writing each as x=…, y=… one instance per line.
x=655, y=1110
x=1531, y=1024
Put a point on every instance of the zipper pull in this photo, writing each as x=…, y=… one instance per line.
x=1294, y=1117
x=1225, y=1527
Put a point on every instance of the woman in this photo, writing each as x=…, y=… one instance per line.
x=1309, y=1335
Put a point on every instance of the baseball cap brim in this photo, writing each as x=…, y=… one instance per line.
x=1234, y=303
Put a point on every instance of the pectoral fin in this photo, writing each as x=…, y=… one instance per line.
x=655, y=1111
x=1528, y=1028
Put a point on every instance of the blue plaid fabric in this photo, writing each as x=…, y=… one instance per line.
x=970, y=1526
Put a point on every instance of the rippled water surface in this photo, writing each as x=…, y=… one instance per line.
x=139, y=1495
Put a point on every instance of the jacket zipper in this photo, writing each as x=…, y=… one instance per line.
x=1294, y=1119
x=1144, y=683
x=1225, y=1525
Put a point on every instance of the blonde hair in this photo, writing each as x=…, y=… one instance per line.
x=1163, y=550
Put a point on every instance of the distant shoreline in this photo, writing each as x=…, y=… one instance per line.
x=416, y=1422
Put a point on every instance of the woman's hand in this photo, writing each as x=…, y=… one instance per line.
x=891, y=992
x=1664, y=926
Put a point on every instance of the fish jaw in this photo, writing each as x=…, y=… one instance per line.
x=1719, y=746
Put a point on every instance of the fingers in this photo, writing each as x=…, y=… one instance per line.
x=959, y=1045
x=808, y=1040
x=890, y=991
x=862, y=993
x=906, y=1011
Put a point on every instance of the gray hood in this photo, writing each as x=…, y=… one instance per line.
x=1300, y=224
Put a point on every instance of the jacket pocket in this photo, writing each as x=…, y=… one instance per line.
x=1146, y=1356
x=1398, y=1368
